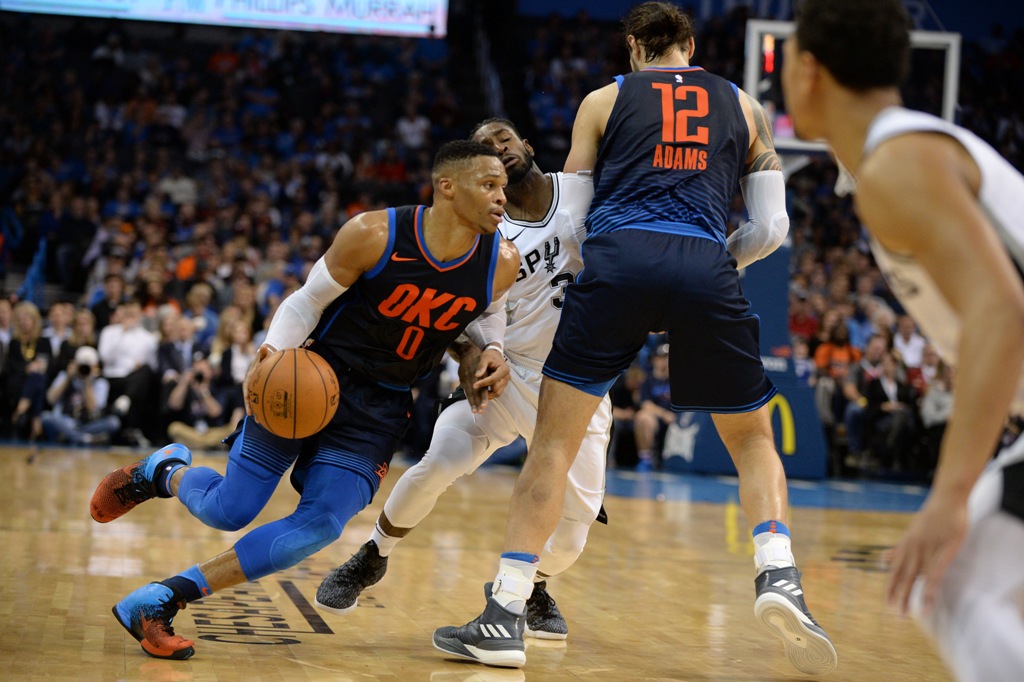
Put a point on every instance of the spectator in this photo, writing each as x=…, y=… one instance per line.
x=128, y=353
x=655, y=413
x=58, y=332
x=24, y=373
x=198, y=307
x=83, y=330
x=178, y=187
x=109, y=301
x=921, y=378
x=936, y=408
x=802, y=321
x=412, y=129
x=803, y=365
x=6, y=326
x=155, y=300
x=195, y=410
x=855, y=388
x=833, y=360
x=907, y=343
x=830, y=319
x=890, y=420
x=233, y=364
x=79, y=397
x=243, y=297
x=177, y=346
x=625, y=397
x=223, y=339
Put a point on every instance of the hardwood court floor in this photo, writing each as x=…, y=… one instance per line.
x=663, y=593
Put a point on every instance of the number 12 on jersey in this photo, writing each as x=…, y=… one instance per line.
x=675, y=127
x=675, y=124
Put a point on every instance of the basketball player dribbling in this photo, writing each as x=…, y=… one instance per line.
x=544, y=217
x=668, y=145
x=944, y=211
x=393, y=291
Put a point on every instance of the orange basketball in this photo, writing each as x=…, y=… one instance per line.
x=293, y=393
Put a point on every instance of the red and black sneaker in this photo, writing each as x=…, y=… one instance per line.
x=123, y=489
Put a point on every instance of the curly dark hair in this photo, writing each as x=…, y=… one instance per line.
x=864, y=44
x=658, y=27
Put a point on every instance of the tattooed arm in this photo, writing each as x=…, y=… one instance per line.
x=762, y=154
x=764, y=192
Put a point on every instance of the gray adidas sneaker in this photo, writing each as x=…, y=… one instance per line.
x=781, y=609
x=339, y=591
x=494, y=638
x=543, y=619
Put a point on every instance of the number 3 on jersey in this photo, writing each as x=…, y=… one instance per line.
x=560, y=282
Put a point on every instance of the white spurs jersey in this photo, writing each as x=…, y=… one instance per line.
x=549, y=260
x=1002, y=199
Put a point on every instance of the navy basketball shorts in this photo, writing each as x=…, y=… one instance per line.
x=362, y=437
x=639, y=281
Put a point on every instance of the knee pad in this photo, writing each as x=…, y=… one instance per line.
x=564, y=547
x=306, y=540
x=451, y=456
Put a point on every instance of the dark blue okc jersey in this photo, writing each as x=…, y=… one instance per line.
x=395, y=323
x=671, y=155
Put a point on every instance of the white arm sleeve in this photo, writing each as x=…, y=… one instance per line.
x=489, y=328
x=298, y=314
x=764, y=193
x=577, y=193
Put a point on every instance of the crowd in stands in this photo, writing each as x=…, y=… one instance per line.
x=177, y=192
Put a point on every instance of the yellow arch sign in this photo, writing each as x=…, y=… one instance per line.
x=779, y=402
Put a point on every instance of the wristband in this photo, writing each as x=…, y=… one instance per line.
x=496, y=345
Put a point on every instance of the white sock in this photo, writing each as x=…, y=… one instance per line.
x=385, y=543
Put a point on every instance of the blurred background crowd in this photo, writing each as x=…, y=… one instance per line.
x=162, y=191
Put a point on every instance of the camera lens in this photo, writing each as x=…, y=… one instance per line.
x=84, y=370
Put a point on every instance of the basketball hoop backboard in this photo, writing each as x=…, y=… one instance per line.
x=763, y=64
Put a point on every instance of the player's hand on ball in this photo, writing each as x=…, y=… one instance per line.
x=261, y=355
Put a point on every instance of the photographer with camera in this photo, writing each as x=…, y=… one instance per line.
x=79, y=395
x=195, y=410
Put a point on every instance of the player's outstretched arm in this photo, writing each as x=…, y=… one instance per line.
x=917, y=194
x=357, y=248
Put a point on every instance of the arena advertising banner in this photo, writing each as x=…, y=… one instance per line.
x=412, y=18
